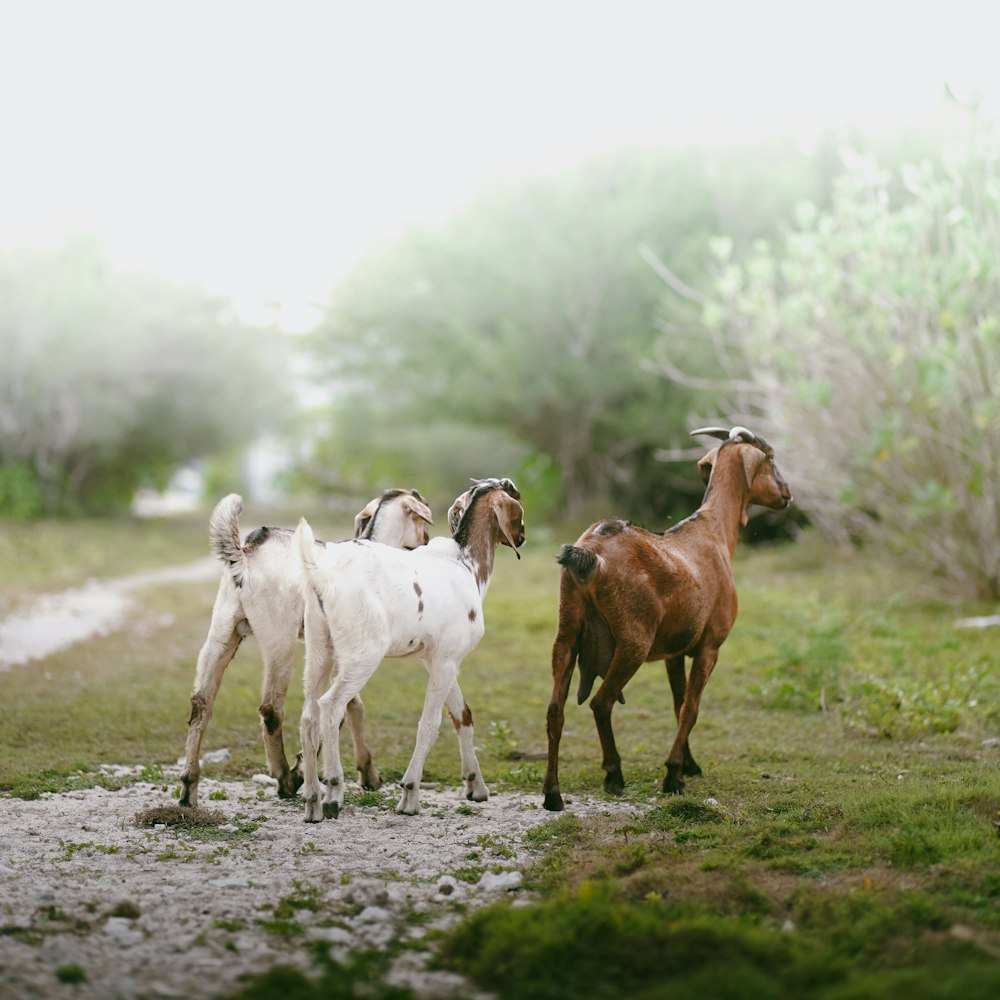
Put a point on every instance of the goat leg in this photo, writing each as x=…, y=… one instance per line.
x=687, y=716
x=368, y=775
x=277, y=647
x=678, y=684
x=563, y=659
x=215, y=655
x=461, y=718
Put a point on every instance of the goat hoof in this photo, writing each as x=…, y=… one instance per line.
x=553, y=802
x=673, y=783
x=614, y=783
x=690, y=769
x=288, y=786
x=369, y=778
x=331, y=810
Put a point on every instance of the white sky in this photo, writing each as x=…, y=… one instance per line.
x=259, y=148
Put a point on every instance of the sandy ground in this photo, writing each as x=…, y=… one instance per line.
x=155, y=912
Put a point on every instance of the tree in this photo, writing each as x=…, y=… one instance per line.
x=111, y=379
x=528, y=315
x=869, y=349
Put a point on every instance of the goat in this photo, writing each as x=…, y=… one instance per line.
x=628, y=596
x=365, y=602
x=259, y=594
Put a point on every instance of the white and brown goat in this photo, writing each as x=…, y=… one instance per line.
x=259, y=594
x=628, y=596
x=365, y=602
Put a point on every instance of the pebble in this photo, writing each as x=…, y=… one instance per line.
x=503, y=882
x=374, y=915
x=367, y=892
x=121, y=930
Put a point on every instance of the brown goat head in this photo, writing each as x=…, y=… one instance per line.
x=766, y=484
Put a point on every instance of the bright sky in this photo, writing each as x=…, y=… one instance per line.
x=259, y=148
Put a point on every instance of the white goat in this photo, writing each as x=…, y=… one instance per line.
x=259, y=594
x=365, y=602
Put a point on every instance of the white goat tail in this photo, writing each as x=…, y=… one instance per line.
x=305, y=546
x=224, y=534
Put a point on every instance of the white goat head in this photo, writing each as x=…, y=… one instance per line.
x=411, y=509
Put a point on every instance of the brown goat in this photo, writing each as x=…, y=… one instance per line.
x=628, y=596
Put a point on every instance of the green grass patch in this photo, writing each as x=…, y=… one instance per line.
x=850, y=790
x=610, y=947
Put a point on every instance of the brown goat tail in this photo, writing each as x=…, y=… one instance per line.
x=224, y=534
x=580, y=562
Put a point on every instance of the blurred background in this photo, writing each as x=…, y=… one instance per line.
x=311, y=251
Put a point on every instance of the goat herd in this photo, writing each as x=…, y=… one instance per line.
x=627, y=596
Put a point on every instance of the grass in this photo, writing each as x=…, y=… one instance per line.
x=841, y=843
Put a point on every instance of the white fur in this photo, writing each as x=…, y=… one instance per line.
x=259, y=594
x=365, y=602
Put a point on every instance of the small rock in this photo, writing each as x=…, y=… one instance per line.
x=992, y=741
x=446, y=885
x=331, y=935
x=216, y=756
x=228, y=828
x=504, y=882
x=120, y=929
x=979, y=621
x=367, y=892
x=788, y=925
x=265, y=779
x=374, y=915
x=711, y=802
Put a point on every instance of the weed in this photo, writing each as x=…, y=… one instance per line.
x=470, y=873
x=499, y=847
x=70, y=973
x=71, y=849
x=219, y=795
x=362, y=975
x=305, y=897
x=185, y=817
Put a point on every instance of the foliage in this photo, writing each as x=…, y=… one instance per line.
x=871, y=344
x=519, y=328
x=111, y=379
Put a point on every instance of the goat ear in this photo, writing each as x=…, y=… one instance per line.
x=753, y=458
x=414, y=506
x=362, y=518
x=505, y=513
x=705, y=465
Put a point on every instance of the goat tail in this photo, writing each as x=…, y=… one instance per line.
x=224, y=535
x=304, y=545
x=580, y=562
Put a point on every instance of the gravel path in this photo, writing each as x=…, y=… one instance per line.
x=157, y=912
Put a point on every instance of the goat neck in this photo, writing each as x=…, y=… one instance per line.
x=479, y=547
x=728, y=495
x=492, y=516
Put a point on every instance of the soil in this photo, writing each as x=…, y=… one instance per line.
x=129, y=911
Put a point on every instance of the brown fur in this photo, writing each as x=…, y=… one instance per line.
x=628, y=596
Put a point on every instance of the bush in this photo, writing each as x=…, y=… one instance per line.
x=872, y=338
